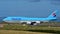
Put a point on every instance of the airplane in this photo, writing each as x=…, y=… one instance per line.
x=31, y=21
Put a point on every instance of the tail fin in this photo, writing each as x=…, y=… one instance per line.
x=53, y=15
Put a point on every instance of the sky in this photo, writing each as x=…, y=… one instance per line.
x=28, y=8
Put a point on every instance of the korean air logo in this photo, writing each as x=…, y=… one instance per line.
x=16, y=18
x=54, y=15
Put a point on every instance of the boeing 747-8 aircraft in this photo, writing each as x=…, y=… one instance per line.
x=28, y=20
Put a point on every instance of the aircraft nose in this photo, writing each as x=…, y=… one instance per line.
x=6, y=19
x=1, y=19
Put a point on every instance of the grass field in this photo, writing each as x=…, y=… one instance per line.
x=20, y=32
x=28, y=29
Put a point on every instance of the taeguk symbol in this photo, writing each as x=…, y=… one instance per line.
x=54, y=14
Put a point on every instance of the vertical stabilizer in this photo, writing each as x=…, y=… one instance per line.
x=53, y=15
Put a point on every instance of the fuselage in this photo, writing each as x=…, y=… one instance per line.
x=27, y=19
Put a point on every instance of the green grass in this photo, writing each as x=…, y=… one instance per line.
x=20, y=27
x=20, y=32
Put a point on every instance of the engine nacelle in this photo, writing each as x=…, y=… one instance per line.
x=31, y=22
x=28, y=22
x=38, y=22
x=35, y=22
